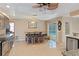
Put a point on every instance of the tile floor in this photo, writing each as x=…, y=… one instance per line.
x=21, y=48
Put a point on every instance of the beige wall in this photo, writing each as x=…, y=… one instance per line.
x=74, y=13
x=21, y=27
x=74, y=27
x=74, y=24
x=66, y=19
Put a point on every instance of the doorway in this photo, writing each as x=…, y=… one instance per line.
x=12, y=27
x=53, y=34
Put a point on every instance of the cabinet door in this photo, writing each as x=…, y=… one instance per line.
x=75, y=44
x=1, y=21
x=6, y=22
x=5, y=47
x=70, y=44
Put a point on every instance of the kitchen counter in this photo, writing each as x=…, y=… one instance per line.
x=71, y=53
x=75, y=37
x=2, y=39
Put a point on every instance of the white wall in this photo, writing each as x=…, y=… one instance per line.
x=21, y=27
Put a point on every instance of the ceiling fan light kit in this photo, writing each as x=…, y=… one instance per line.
x=50, y=6
x=53, y=6
x=36, y=6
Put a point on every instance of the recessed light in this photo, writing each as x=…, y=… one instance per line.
x=7, y=6
x=32, y=22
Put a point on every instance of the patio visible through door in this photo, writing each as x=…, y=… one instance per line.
x=52, y=34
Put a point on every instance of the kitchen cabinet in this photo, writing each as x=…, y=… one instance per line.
x=71, y=43
x=1, y=21
x=6, y=37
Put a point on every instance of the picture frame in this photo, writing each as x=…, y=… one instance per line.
x=32, y=24
x=59, y=25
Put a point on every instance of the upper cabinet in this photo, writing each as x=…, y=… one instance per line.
x=1, y=21
x=4, y=24
x=4, y=21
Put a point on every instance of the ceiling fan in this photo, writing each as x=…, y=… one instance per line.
x=49, y=6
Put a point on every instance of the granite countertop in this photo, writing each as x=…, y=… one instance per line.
x=71, y=53
x=72, y=36
x=2, y=40
x=5, y=37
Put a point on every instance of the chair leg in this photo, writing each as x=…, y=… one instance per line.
x=34, y=40
x=39, y=40
x=27, y=41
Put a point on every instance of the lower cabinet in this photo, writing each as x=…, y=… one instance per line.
x=71, y=43
x=5, y=47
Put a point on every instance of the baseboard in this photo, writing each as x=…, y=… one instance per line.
x=20, y=38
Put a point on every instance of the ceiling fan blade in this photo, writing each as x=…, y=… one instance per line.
x=52, y=6
x=36, y=6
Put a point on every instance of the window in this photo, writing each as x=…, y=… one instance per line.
x=67, y=28
x=11, y=26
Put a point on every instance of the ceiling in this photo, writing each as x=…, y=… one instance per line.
x=22, y=10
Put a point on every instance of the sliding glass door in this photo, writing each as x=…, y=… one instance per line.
x=52, y=34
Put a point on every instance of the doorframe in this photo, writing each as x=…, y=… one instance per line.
x=56, y=29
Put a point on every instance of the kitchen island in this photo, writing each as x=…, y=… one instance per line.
x=6, y=44
x=6, y=35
